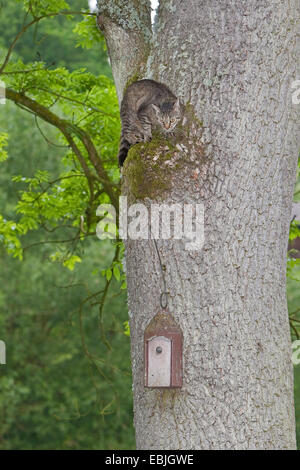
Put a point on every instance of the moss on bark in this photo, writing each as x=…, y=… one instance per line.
x=150, y=167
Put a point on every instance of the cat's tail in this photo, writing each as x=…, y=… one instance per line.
x=123, y=150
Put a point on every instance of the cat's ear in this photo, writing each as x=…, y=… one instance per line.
x=177, y=106
x=156, y=109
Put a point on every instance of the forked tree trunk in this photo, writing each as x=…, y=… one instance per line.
x=233, y=63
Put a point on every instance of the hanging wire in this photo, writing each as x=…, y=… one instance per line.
x=164, y=295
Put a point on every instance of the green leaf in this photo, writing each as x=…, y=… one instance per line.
x=126, y=328
x=70, y=263
x=9, y=231
x=3, y=143
x=88, y=33
x=116, y=272
x=294, y=230
x=108, y=274
x=44, y=7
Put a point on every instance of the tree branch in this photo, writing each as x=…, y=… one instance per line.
x=72, y=100
x=128, y=32
x=68, y=129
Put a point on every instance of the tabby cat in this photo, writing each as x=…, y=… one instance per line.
x=146, y=104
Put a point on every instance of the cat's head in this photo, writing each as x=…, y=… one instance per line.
x=168, y=114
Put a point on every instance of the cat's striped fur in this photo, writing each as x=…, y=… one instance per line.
x=146, y=103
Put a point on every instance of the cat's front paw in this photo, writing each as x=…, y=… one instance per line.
x=147, y=138
x=171, y=133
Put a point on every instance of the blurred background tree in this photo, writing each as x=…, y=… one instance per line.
x=67, y=381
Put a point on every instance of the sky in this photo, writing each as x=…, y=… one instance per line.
x=154, y=4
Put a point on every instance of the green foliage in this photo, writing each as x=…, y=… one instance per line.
x=3, y=143
x=88, y=33
x=52, y=40
x=92, y=103
x=293, y=265
x=90, y=100
x=294, y=230
x=44, y=7
x=52, y=394
x=116, y=271
x=293, y=295
x=126, y=328
x=9, y=231
x=67, y=381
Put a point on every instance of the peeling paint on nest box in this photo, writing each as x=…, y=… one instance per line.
x=163, y=353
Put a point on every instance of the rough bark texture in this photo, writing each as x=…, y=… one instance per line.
x=233, y=62
x=127, y=30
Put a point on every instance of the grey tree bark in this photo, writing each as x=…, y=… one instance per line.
x=233, y=64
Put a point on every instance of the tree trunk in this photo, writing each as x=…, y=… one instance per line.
x=233, y=64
